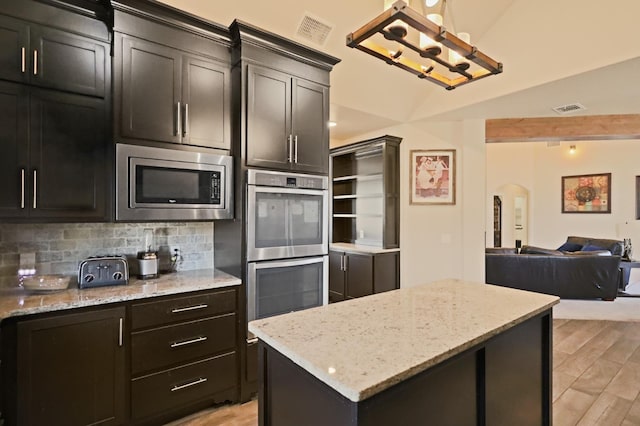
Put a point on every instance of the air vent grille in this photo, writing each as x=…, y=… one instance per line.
x=569, y=108
x=314, y=29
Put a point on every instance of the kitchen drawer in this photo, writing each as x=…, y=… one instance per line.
x=188, y=384
x=172, y=345
x=185, y=308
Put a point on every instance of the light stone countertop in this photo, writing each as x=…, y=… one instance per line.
x=359, y=248
x=17, y=301
x=363, y=346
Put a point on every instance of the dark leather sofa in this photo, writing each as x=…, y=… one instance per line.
x=577, y=275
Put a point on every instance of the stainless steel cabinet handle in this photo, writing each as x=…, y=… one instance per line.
x=35, y=188
x=22, y=185
x=177, y=120
x=120, y=332
x=295, y=152
x=289, y=150
x=186, y=385
x=189, y=342
x=23, y=51
x=189, y=308
x=342, y=262
x=35, y=62
x=185, y=121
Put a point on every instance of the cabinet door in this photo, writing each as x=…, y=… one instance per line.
x=386, y=272
x=67, y=61
x=14, y=112
x=150, y=91
x=67, y=155
x=269, y=141
x=14, y=49
x=206, y=94
x=71, y=369
x=336, y=277
x=359, y=275
x=310, y=126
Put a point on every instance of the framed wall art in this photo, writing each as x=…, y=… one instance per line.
x=433, y=176
x=586, y=193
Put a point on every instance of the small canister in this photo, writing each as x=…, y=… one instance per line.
x=147, y=264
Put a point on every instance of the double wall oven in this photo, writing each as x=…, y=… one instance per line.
x=287, y=242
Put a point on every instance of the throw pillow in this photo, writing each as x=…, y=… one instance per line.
x=570, y=247
x=590, y=247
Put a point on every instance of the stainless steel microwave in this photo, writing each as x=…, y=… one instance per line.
x=167, y=184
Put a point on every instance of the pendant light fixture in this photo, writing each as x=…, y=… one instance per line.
x=400, y=27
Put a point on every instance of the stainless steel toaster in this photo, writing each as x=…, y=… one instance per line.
x=101, y=271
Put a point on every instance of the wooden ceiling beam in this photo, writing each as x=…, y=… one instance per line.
x=584, y=127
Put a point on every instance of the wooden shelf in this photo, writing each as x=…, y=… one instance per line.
x=355, y=215
x=354, y=196
x=373, y=176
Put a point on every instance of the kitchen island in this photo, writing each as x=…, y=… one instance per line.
x=445, y=353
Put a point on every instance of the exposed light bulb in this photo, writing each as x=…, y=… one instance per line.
x=427, y=42
x=332, y=124
x=431, y=3
x=572, y=149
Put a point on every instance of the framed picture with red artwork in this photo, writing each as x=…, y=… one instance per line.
x=586, y=193
x=433, y=176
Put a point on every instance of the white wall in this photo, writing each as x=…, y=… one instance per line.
x=540, y=168
x=442, y=241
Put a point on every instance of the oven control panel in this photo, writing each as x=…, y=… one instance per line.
x=286, y=180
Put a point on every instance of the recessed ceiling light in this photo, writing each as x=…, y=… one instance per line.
x=431, y=3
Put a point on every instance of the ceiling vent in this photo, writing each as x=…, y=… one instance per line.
x=314, y=29
x=569, y=108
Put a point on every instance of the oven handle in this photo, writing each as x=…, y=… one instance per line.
x=285, y=263
x=282, y=190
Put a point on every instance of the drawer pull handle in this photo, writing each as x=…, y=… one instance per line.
x=189, y=342
x=187, y=385
x=189, y=308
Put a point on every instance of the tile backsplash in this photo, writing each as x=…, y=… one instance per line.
x=59, y=248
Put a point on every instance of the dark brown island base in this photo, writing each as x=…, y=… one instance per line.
x=445, y=353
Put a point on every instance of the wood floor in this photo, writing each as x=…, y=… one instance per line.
x=596, y=378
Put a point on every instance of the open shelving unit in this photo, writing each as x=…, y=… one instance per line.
x=365, y=193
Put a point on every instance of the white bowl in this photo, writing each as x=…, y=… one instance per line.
x=46, y=283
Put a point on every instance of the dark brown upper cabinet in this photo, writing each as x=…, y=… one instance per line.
x=287, y=122
x=175, y=88
x=172, y=96
x=53, y=166
x=281, y=105
x=51, y=58
x=54, y=102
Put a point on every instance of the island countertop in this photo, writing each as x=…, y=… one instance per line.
x=364, y=346
x=17, y=301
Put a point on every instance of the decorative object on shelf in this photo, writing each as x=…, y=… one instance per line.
x=586, y=193
x=433, y=176
x=403, y=37
x=628, y=249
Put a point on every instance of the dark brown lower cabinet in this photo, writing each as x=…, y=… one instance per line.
x=503, y=381
x=144, y=362
x=354, y=275
x=65, y=369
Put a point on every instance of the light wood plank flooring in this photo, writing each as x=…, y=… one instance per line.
x=596, y=378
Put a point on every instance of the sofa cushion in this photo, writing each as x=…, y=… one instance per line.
x=570, y=247
x=616, y=247
x=592, y=247
x=539, y=250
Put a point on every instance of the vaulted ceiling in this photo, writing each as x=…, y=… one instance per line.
x=554, y=52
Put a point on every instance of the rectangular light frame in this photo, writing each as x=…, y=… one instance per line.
x=400, y=10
